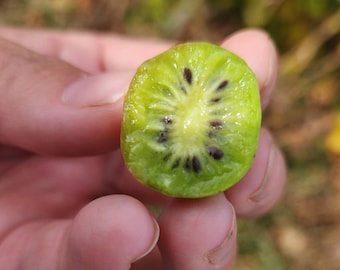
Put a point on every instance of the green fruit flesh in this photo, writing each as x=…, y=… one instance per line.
x=191, y=121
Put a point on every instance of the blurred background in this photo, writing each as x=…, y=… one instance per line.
x=303, y=231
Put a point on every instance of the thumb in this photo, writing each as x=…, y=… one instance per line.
x=50, y=107
x=109, y=233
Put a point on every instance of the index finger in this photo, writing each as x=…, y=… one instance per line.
x=89, y=51
x=99, y=52
x=93, y=52
x=258, y=50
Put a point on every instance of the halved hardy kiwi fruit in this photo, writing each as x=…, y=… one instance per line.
x=191, y=120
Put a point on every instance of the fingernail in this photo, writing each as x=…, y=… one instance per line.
x=153, y=243
x=97, y=90
x=221, y=254
x=257, y=195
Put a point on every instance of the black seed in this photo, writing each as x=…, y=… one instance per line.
x=222, y=85
x=196, y=164
x=176, y=163
x=216, y=124
x=167, y=120
x=215, y=152
x=163, y=137
x=187, y=75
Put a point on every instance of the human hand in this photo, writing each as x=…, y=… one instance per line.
x=66, y=198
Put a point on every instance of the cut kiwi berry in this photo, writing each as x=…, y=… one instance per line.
x=191, y=121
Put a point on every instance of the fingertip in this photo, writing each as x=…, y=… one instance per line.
x=260, y=189
x=256, y=47
x=111, y=232
x=198, y=234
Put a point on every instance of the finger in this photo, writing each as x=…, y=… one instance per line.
x=110, y=233
x=50, y=107
x=91, y=52
x=33, y=245
x=45, y=187
x=198, y=234
x=262, y=186
x=257, y=49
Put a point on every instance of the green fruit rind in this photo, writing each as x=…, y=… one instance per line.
x=156, y=90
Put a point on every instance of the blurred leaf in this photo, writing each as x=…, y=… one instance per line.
x=332, y=140
x=258, y=13
x=300, y=57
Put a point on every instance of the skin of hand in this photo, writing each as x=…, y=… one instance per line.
x=66, y=199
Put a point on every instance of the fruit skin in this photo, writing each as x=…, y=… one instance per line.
x=157, y=84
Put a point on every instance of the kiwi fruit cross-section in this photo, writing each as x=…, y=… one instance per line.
x=191, y=120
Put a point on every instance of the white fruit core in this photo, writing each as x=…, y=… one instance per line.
x=190, y=127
